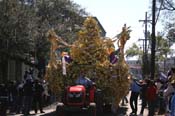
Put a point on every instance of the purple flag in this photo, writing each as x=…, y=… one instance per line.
x=113, y=57
x=68, y=59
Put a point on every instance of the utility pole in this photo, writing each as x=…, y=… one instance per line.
x=145, y=57
x=145, y=68
x=153, y=43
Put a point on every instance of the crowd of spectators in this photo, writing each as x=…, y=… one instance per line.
x=23, y=96
x=156, y=94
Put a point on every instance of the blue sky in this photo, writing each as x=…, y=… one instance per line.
x=113, y=14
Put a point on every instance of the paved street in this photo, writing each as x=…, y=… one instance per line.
x=50, y=111
x=122, y=111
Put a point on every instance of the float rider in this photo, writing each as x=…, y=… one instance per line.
x=88, y=84
x=83, y=80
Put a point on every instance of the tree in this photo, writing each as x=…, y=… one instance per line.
x=163, y=49
x=16, y=27
x=167, y=7
x=171, y=35
x=134, y=50
x=24, y=23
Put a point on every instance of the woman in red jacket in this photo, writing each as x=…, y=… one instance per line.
x=151, y=97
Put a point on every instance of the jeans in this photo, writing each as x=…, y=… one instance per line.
x=151, y=108
x=133, y=101
x=27, y=104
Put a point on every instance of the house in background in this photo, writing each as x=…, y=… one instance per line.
x=11, y=70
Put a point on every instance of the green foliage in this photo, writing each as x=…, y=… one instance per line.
x=16, y=27
x=163, y=48
x=134, y=51
x=167, y=11
x=171, y=35
x=23, y=25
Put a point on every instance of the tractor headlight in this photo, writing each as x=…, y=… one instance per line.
x=78, y=94
x=71, y=95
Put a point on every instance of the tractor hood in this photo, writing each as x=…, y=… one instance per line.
x=77, y=88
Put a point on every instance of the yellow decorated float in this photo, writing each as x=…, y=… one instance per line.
x=103, y=63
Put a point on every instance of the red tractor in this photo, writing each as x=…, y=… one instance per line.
x=78, y=98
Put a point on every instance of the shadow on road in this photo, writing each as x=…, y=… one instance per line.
x=75, y=114
x=49, y=114
x=122, y=111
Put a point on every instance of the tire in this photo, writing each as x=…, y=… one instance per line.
x=60, y=110
x=92, y=109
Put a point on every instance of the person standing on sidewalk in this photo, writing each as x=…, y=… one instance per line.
x=28, y=96
x=20, y=98
x=135, y=90
x=38, y=96
x=3, y=100
x=144, y=85
x=151, y=95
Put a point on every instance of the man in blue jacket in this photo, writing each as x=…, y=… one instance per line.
x=135, y=90
x=83, y=80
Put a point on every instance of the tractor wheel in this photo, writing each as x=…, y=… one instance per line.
x=60, y=110
x=92, y=109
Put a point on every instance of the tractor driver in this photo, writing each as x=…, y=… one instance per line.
x=83, y=80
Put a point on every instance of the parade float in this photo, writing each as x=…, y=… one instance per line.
x=96, y=55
